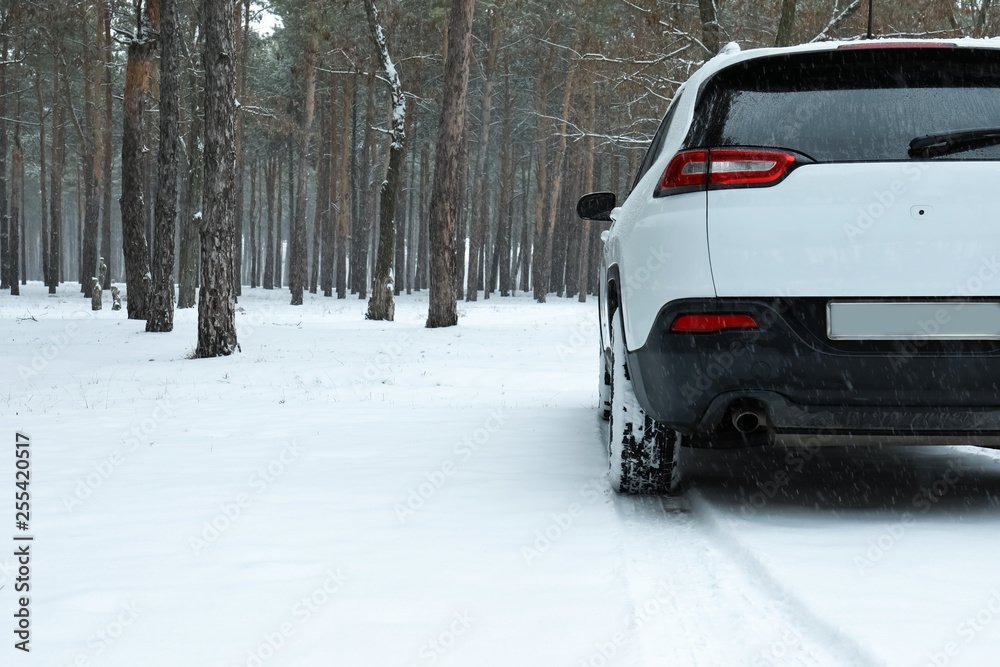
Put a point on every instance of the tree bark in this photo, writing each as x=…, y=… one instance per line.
x=423, y=257
x=445, y=195
x=381, y=305
x=786, y=23
x=321, y=210
x=556, y=190
x=242, y=48
x=106, y=250
x=505, y=213
x=365, y=208
x=269, y=168
x=217, y=301
x=56, y=171
x=194, y=192
x=253, y=224
x=709, y=26
x=541, y=145
x=16, y=196
x=588, y=186
x=5, y=245
x=480, y=199
x=328, y=226
x=140, y=55
x=298, y=260
x=161, y=298
x=88, y=135
x=344, y=209
x=42, y=173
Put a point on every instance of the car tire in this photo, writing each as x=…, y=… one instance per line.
x=604, y=385
x=642, y=454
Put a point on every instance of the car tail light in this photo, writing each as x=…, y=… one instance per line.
x=686, y=172
x=723, y=168
x=712, y=323
x=876, y=44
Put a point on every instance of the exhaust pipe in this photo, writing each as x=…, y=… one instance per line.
x=748, y=421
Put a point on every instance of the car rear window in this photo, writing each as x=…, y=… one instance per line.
x=851, y=105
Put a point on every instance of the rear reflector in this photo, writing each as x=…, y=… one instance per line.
x=710, y=323
x=723, y=167
x=876, y=44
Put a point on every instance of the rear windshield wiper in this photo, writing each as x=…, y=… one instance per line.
x=947, y=143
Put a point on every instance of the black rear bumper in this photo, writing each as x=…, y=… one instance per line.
x=810, y=384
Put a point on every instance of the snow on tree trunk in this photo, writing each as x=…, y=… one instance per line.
x=445, y=195
x=381, y=305
x=161, y=298
x=216, y=303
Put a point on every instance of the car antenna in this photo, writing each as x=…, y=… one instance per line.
x=869, y=20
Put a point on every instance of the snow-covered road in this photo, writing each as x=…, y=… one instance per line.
x=350, y=493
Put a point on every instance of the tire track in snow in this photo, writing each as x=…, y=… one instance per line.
x=833, y=647
x=721, y=606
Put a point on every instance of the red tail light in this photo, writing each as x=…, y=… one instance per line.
x=712, y=323
x=723, y=167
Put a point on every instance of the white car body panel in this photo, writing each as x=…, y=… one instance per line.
x=912, y=229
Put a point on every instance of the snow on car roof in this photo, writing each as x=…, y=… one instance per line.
x=732, y=53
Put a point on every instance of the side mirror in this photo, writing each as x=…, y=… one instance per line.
x=596, y=206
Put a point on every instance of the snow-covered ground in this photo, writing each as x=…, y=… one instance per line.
x=346, y=493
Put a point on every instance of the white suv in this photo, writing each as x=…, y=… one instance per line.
x=809, y=254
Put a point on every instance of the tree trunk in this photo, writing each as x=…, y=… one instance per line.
x=88, y=141
x=541, y=144
x=588, y=186
x=786, y=23
x=424, y=256
x=346, y=198
x=357, y=202
x=55, y=190
x=16, y=195
x=217, y=301
x=366, y=209
x=298, y=260
x=46, y=258
x=412, y=217
x=161, y=298
x=480, y=199
x=545, y=270
x=141, y=49
x=399, y=270
x=709, y=26
x=253, y=224
x=445, y=195
x=6, y=250
x=505, y=209
x=381, y=305
x=320, y=210
x=106, y=250
x=462, y=231
x=332, y=178
x=242, y=49
x=194, y=192
x=269, y=168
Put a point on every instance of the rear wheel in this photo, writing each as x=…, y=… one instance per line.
x=642, y=453
x=604, y=385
